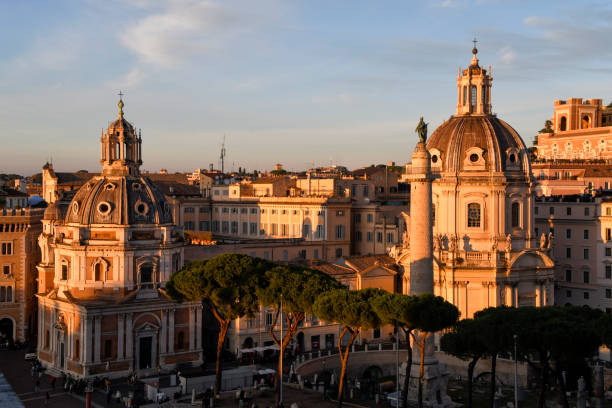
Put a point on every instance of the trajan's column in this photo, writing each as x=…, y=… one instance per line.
x=421, y=270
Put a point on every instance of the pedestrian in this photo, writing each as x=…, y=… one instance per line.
x=118, y=396
x=108, y=396
x=37, y=386
x=52, y=382
x=47, y=398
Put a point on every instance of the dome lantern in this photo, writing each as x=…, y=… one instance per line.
x=121, y=153
x=474, y=88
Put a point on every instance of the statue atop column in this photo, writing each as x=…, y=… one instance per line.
x=421, y=130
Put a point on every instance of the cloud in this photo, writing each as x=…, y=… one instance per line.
x=57, y=51
x=131, y=79
x=182, y=30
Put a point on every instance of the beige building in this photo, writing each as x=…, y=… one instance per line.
x=485, y=249
x=19, y=254
x=105, y=258
x=581, y=130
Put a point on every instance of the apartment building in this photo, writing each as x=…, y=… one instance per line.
x=19, y=254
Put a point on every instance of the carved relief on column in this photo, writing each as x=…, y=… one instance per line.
x=199, y=327
x=163, y=332
x=192, y=312
x=98, y=337
x=129, y=336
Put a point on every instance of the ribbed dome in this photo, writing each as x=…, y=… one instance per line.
x=121, y=125
x=119, y=201
x=477, y=142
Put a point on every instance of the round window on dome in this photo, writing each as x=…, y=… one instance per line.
x=104, y=208
x=109, y=186
x=141, y=208
x=75, y=208
x=474, y=157
x=434, y=158
x=136, y=186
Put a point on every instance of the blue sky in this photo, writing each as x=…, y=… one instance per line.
x=296, y=82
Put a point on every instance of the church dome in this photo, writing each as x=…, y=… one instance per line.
x=476, y=142
x=119, y=201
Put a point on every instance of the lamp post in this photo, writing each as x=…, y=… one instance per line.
x=515, y=373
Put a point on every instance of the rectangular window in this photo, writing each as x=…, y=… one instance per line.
x=537, y=232
x=315, y=254
x=586, y=295
x=284, y=230
x=245, y=228
x=225, y=226
x=608, y=234
x=585, y=253
x=585, y=234
x=253, y=228
x=243, y=211
x=189, y=210
x=369, y=236
x=370, y=218
x=225, y=210
x=568, y=293
x=608, y=210
x=608, y=293
x=204, y=226
x=338, y=252
x=568, y=211
x=389, y=237
x=306, y=231
x=204, y=210
x=379, y=236
x=536, y=210
x=234, y=210
x=253, y=210
x=568, y=253
x=353, y=191
x=340, y=213
x=274, y=229
x=608, y=271
x=358, y=236
x=234, y=227
x=7, y=248
x=340, y=230
x=551, y=210
x=320, y=232
x=608, y=251
x=215, y=226
x=6, y=269
x=568, y=233
x=586, y=276
x=587, y=211
x=189, y=225
x=262, y=230
x=568, y=275
x=366, y=191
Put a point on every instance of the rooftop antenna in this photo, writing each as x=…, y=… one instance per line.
x=222, y=156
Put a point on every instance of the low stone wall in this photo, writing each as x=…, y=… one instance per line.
x=360, y=361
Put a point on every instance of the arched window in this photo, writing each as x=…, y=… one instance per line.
x=464, y=95
x=64, y=270
x=484, y=94
x=77, y=349
x=516, y=216
x=586, y=122
x=473, y=99
x=2, y=294
x=108, y=349
x=98, y=272
x=563, y=124
x=9, y=294
x=180, y=343
x=473, y=215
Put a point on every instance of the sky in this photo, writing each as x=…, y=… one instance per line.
x=303, y=83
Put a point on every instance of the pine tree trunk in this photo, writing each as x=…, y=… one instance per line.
x=422, y=371
x=408, y=370
x=470, y=383
x=344, y=355
x=493, y=382
x=543, y=381
x=220, y=341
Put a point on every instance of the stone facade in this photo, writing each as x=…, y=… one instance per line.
x=19, y=254
x=106, y=256
x=485, y=250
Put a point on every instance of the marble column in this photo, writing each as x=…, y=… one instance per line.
x=129, y=336
x=171, y=331
x=87, y=341
x=163, y=332
x=120, y=336
x=191, y=327
x=98, y=337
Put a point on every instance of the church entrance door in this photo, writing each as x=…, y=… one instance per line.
x=146, y=347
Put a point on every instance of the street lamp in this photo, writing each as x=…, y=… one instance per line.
x=515, y=337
